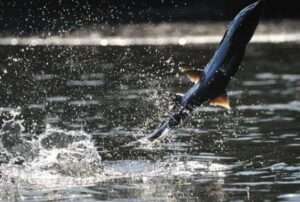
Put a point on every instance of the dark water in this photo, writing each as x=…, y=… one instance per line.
x=80, y=104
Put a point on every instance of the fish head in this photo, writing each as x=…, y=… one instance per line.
x=244, y=24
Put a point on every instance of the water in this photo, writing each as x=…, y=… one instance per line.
x=66, y=110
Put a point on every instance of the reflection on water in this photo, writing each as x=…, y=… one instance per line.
x=98, y=40
x=65, y=112
x=161, y=34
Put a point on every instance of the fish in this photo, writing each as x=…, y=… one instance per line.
x=210, y=83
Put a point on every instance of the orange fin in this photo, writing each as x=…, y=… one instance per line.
x=221, y=101
x=194, y=75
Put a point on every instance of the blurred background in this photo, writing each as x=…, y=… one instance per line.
x=29, y=17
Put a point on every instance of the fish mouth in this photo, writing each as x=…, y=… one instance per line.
x=257, y=4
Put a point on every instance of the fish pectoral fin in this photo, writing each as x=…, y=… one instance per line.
x=194, y=75
x=221, y=101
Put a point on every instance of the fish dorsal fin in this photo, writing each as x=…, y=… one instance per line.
x=194, y=75
x=221, y=101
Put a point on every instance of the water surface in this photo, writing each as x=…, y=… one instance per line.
x=65, y=111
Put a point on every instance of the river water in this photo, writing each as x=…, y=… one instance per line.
x=67, y=110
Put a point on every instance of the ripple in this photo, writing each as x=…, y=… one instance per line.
x=293, y=197
x=272, y=77
x=259, y=83
x=83, y=102
x=57, y=99
x=250, y=173
x=85, y=83
x=267, y=75
x=291, y=106
x=99, y=76
x=43, y=77
x=291, y=77
x=283, y=167
x=36, y=106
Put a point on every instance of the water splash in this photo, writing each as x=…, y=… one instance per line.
x=59, y=159
x=70, y=153
x=55, y=153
